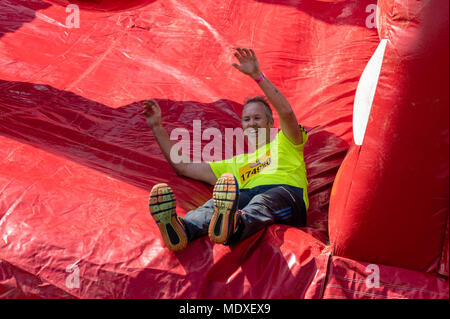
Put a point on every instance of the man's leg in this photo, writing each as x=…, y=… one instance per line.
x=176, y=231
x=221, y=218
x=197, y=220
x=279, y=205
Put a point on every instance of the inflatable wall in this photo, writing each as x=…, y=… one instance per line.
x=368, y=81
x=390, y=200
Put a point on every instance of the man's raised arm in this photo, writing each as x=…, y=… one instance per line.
x=198, y=171
x=248, y=64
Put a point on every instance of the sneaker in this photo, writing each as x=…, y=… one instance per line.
x=162, y=205
x=226, y=196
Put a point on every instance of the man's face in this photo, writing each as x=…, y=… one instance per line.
x=253, y=118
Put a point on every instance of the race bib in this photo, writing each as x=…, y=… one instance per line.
x=252, y=169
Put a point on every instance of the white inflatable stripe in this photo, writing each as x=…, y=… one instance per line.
x=365, y=93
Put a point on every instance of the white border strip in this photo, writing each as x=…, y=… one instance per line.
x=365, y=93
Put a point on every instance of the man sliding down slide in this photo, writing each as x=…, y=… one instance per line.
x=251, y=190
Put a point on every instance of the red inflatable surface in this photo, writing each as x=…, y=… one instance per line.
x=77, y=159
x=402, y=157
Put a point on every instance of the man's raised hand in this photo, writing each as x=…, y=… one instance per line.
x=248, y=63
x=152, y=113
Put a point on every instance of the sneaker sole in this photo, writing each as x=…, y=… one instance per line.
x=162, y=206
x=225, y=201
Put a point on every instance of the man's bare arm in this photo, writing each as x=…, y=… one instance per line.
x=198, y=171
x=249, y=65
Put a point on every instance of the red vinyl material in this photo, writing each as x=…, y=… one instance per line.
x=390, y=200
x=77, y=159
x=349, y=279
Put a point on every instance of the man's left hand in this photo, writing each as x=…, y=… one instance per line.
x=248, y=63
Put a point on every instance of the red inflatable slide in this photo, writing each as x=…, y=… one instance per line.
x=368, y=80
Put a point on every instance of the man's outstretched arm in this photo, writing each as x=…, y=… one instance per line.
x=198, y=171
x=248, y=64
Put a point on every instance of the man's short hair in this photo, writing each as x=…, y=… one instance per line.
x=263, y=100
